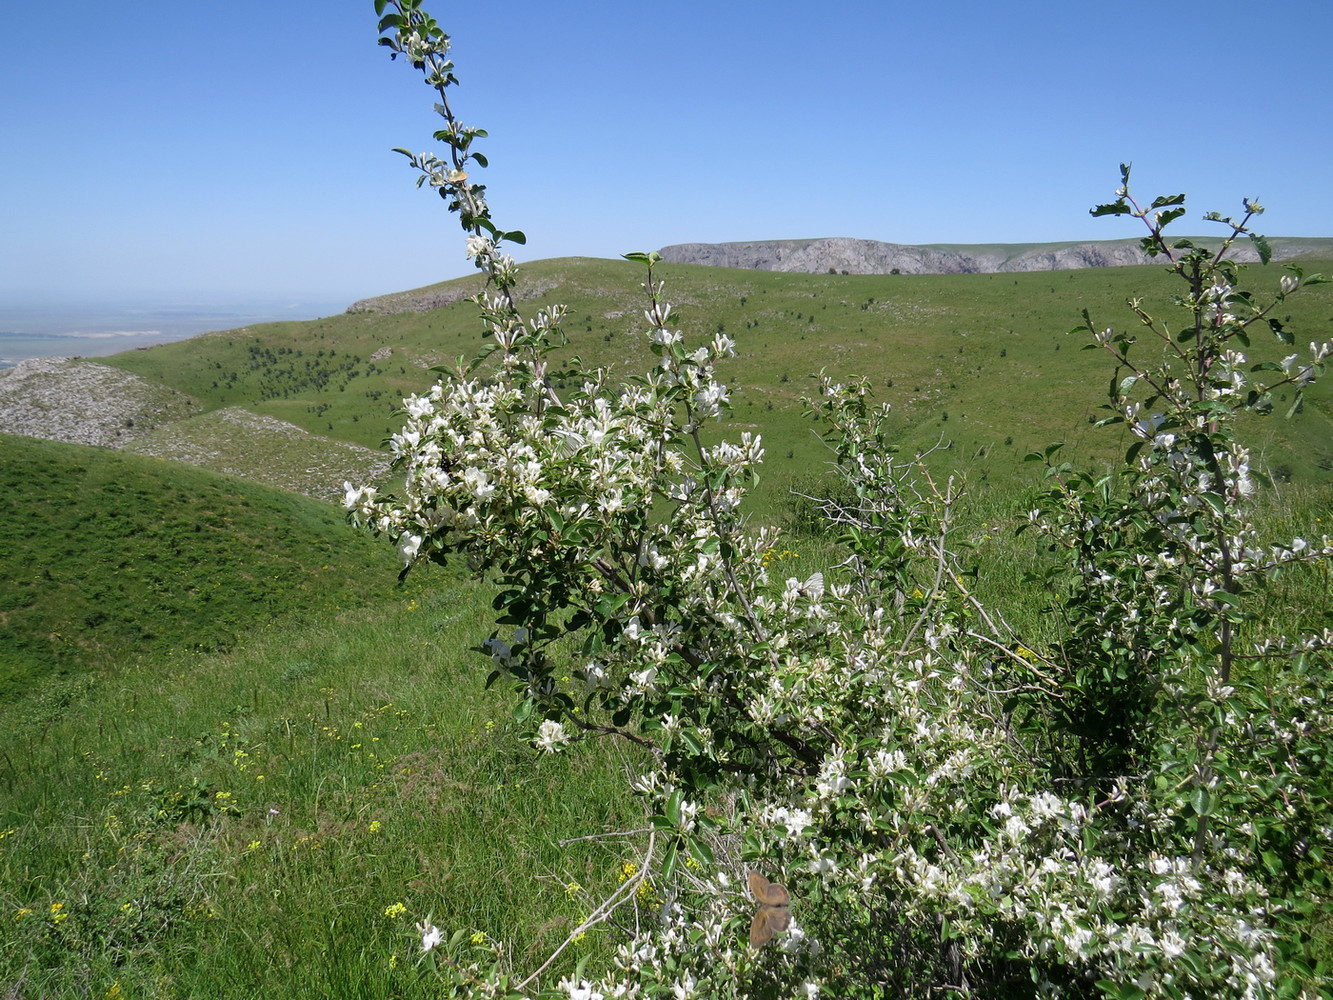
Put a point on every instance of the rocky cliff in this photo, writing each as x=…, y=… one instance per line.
x=873, y=257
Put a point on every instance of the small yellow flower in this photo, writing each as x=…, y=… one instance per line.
x=478, y=937
x=573, y=889
x=393, y=960
x=58, y=913
x=395, y=910
x=252, y=846
x=628, y=870
x=23, y=912
x=114, y=993
x=374, y=826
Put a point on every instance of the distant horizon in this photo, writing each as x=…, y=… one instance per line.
x=92, y=329
x=98, y=327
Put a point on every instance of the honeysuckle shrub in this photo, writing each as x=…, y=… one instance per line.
x=1140, y=808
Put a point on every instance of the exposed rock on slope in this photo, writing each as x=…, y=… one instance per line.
x=266, y=450
x=873, y=257
x=81, y=402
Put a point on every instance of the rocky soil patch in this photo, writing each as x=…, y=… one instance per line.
x=265, y=450
x=82, y=402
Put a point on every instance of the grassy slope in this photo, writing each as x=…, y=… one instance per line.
x=109, y=557
x=236, y=825
x=984, y=361
x=142, y=801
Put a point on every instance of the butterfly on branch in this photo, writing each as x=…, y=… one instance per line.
x=773, y=914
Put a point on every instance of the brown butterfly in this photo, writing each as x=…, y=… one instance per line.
x=773, y=914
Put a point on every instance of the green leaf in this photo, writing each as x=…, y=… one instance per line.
x=702, y=850
x=379, y=7
x=390, y=21
x=669, y=861
x=1296, y=404
x=1202, y=801
x=1166, y=218
x=691, y=740
x=1262, y=246
x=1164, y=200
x=1121, y=991
x=1120, y=207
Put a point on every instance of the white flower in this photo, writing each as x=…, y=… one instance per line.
x=551, y=735
x=430, y=935
x=408, y=547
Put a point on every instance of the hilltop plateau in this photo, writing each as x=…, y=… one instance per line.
x=844, y=255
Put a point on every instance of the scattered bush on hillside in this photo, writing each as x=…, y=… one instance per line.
x=1141, y=808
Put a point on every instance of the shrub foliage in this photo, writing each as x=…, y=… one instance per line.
x=1139, y=808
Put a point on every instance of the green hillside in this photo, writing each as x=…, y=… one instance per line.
x=285, y=761
x=110, y=557
x=982, y=360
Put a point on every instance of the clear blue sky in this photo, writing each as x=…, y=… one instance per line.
x=240, y=150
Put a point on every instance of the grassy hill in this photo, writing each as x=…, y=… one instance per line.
x=110, y=557
x=284, y=760
x=983, y=361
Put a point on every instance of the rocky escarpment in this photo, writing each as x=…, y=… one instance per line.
x=853, y=256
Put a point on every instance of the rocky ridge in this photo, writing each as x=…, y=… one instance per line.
x=854, y=256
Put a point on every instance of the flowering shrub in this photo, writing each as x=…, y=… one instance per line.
x=1141, y=809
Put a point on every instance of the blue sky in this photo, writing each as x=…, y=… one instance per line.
x=231, y=152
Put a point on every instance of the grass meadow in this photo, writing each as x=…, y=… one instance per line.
x=238, y=759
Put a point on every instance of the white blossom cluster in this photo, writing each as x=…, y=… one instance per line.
x=863, y=734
